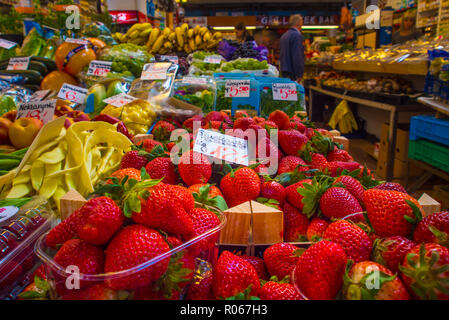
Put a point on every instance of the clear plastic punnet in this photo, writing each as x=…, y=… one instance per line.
x=198, y=91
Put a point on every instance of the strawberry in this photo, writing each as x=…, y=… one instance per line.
x=102, y=218
x=233, y=276
x=290, y=163
x=293, y=196
x=391, y=251
x=354, y=241
x=281, y=119
x=194, y=168
x=201, y=288
x=338, y=203
x=280, y=259
x=279, y=291
x=215, y=116
x=184, y=196
x=292, y=142
x=320, y=269
x=267, y=151
x=369, y=280
x=318, y=162
x=295, y=224
x=425, y=271
x=273, y=190
x=216, y=125
x=259, y=120
x=241, y=114
x=203, y=221
x=353, y=186
x=316, y=229
x=96, y=292
x=339, y=155
x=174, y=242
x=259, y=266
x=243, y=123
x=149, y=144
x=391, y=186
x=213, y=190
x=162, y=168
x=270, y=125
x=131, y=247
x=296, y=124
x=433, y=228
x=240, y=186
x=390, y=212
x=64, y=231
x=131, y=173
x=132, y=159
x=162, y=130
x=36, y=290
x=337, y=167
x=188, y=124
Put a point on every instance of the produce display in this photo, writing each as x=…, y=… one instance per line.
x=199, y=92
x=232, y=50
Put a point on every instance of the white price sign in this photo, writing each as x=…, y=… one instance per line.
x=195, y=80
x=155, y=71
x=42, y=110
x=39, y=95
x=221, y=146
x=213, y=60
x=7, y=44
x=99, y=68
x=173, y=59
x=119, y=100
x=237, y=88
x=18, y=63
x=76, y=41
x=285, y=92
x=72, y=93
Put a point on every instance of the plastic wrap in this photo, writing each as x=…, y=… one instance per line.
x=268, y=104
x=199, y=65
x=199, y=92
x=249, y=65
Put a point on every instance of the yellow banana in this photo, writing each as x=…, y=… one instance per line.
x=192, y=44
x=158, y=44
x=190, y=33
x=207, y=36
x=135, y=27
x=187, y=48
x=133, y=35
x=184, y=27
x=166, y=32
x=168, y=45
x=179, y=36
x=218, y=35
x=203, y=30
x=172, y=36
x=146, y=32
x=197, y=29
x=198, y=40
x=143, y=26
x=154, y=36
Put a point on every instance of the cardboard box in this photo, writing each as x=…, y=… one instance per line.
x=400, y=169
x=402, y=141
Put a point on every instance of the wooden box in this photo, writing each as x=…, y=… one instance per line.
x=342, y=140
x=238, y=225
x=268, y=224
x=141, y=137
x=429, y=204
x=70, y=202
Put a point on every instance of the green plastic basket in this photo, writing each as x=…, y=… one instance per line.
x=432, y=153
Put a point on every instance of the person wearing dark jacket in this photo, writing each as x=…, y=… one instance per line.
x=292, y=50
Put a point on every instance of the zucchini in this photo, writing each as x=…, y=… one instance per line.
x=32, y=76
x=51, y=65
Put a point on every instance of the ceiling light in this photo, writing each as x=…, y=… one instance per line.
x=319, y=27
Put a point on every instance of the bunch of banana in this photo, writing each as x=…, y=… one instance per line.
x=137, y=34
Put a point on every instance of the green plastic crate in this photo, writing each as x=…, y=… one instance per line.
x=432, y=153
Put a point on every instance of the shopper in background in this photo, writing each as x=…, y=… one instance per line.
x=242, y=34
x=292, y=50
x=407, y=29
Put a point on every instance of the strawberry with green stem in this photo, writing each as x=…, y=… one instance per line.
x=209, y=195
x=391, y=251
x=433, y=229
x=279, y=290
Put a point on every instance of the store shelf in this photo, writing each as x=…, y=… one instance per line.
x=437, y=105
x=379, y=67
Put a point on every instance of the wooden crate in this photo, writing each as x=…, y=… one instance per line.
x=70, y=202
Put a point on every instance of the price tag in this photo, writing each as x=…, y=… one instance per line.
x=285, y=92
x=18, y=63
x=213, y=60
x=99, y=68
x=39, y=95
x=237, y=88
x=42, y=110
x=119, y=100
x=172, y=59
x=7, y=44
x=221, y=146
x=155, y=71
x=76, y=41
x=72, y=93
x=195, y=80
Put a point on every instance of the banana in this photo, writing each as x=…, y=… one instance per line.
x=179, y=36
x=146, y=32
x=154, y=36
x=134, y=35
x=134, y=27
x=190, y=33
x=207, y=36
x=172, y=36
x=166, y=32
x=197, y=29
x=143, y=26
x=203, y=30
x=198, y=40
x=184, y=27
x=187, y=48
x=164, y=50
x=158, y=43
x=218, y=35
x=192, y=44
x=168, y=45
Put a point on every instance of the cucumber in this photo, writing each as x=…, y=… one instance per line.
x=39, y=67
x=51, y=65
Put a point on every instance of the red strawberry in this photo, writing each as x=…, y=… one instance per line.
x=240, y=186
x=296, y=124
x=64, y=231
x=368, y=280
x=389, y=212
x=241, y=114
x=243, y=123
x=174, y=241
x=353, y=186
x=295, y=224
x=339, y=203
x=132, y=159
x=259, y=120
x=391, y=251
x=281, y=119
x=278, y=291
x=201, y=288
x=339, y=155
x=270, y=125
x=391, y=186
x=319, y=270
x=184, y=196
x=337, y=167
x=162, y=168
x=214, y=116
x=318, y=162
x=213, y=190
x=170, y=146
x=273, y=190
x=131, y=247
x=356, y=243
x=293, y=196
x=131, y=173
x=316, y=229
x=267, y=151
x=290, y=163
x=95, y=292
x=188, y=124
x=258, y=265
x=194, y=168
x=203, y=221
x=216, y=125
x=425, y=271
x=233, y=275
x=280, y=259
x=162, y=130
x=149, y=144
x=101, y=219
x=433, y=228
x=292, y=142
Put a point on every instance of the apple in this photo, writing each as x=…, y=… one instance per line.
x=4, y=130
x=23, y=131
x=11, y=115
x=62, y=108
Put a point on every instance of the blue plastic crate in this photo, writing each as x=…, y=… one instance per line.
x=232, y=75
x=430, y=128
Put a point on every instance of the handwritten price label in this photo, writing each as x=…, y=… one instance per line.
x=42, y=110
x=285, y=92
x=7, y=44
x=99, y=68
x=221, y=146
x=237, y=88
x=72, y=93
x=18, y=63
x=212, y=60
x=119, y=100
x=172, y=59
x=39, y=95
x=76, y=41
x=155, y=71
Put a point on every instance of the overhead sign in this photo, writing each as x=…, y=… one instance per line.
x=308, y=20
x=125, y=17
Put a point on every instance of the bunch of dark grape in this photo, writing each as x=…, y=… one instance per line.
x=245, y=50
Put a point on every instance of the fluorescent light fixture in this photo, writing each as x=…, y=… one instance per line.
x=319, y=27
x=232, y=28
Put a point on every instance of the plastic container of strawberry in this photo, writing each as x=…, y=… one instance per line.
x=59, y=279
x=19, y=230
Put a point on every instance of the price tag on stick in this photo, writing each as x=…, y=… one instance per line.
x=285, y=92
x=72, y=93
x=99, y=68
x=221, y=146
x=42, y=110
x=237, y=88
